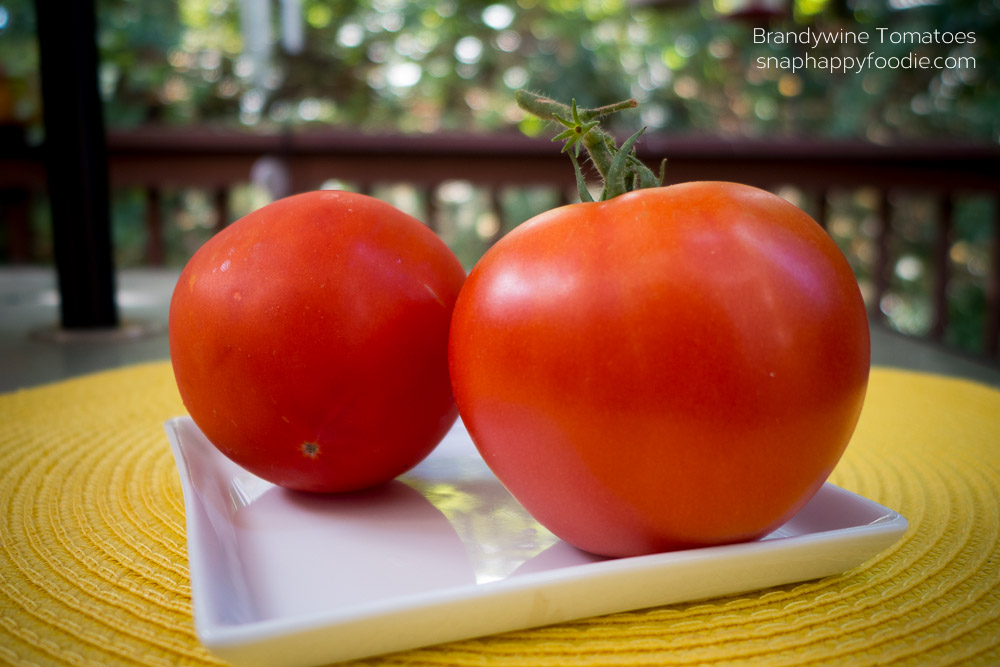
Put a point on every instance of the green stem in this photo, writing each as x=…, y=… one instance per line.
x=601, y=149
x=620, y=170
x=548, y=109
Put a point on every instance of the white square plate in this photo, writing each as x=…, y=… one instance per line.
x=445, y=553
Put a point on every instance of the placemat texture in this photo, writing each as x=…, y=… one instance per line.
x=93, y=563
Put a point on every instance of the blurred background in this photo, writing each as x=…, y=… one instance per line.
x=212, y=108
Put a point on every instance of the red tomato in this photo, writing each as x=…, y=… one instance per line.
x=309, y=341
x=676, y=367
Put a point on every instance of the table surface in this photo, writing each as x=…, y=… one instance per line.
x=93, y=561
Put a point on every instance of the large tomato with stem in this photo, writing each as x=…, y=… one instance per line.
x=309, y=341
x=673, y=367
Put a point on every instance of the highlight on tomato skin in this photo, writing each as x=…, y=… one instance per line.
x=309, y=341
x=675, y=367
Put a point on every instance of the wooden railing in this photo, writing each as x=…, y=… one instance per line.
x=155, y=159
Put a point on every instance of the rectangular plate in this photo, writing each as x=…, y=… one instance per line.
x=445, y=553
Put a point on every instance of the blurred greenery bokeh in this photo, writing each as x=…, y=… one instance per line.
x=427, y=66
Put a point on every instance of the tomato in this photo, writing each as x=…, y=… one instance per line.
x=309, y=341
x=675, y=367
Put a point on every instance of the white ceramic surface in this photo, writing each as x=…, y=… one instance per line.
x=445, y=553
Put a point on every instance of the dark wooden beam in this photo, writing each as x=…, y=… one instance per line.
x=76, y=163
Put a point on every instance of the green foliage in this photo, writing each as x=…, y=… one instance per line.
x=424, y=66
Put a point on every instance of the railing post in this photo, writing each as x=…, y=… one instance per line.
x=155, y=254
x=991, y=346
x=822, y=209
x=881, y=277
x=942, y=248
x=496, y=204
x=14, y=207
x=430, y=196
x=221, y=198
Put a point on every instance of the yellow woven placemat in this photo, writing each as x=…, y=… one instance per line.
x=93, y=563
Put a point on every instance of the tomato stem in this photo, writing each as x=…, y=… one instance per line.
x=620, y=169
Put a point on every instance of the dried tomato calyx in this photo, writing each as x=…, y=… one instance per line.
x=620, y=169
